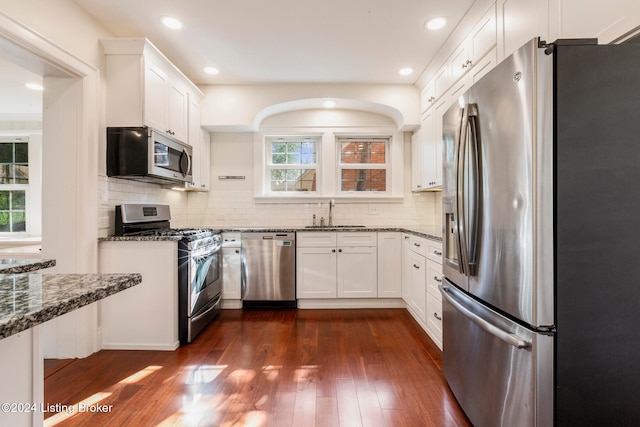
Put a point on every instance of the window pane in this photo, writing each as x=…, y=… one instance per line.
x=364, y=180
x=18, y=221
x=22, y=152
x=5, y=225
x=6, y=174
x=293, y=180
x=4, y=200
x=6, y=152
x=17, y=200
x=363, y=152
x=21, y=173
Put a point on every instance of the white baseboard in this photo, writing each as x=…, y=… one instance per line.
x=352, y=303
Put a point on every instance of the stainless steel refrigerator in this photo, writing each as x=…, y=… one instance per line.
x=541, y=297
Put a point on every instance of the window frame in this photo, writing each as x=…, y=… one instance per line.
x=25, y=187
x=340, y=166
x=269, y=166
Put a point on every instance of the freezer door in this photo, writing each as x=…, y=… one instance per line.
x=507, y=199
x=500, y=372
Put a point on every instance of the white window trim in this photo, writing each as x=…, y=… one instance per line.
x=269, y=166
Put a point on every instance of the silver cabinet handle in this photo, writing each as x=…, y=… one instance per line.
x=437, y=317
x=437, y=279
x=416, y=266
x=437, y=253
x=416, y=244
x=333, y=251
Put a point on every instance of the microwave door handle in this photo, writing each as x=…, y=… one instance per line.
x=188, y=168
x=475, y=189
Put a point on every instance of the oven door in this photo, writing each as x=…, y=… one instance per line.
x=200, y=288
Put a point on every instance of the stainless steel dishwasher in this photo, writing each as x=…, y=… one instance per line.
x=268, y=269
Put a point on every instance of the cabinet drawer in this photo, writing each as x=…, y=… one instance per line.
x=434, y=278
x=418, y=245
x=357, y=239
x=316, y=240
x=434, y=251
x=434, y=319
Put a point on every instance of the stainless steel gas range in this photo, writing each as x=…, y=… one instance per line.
x=199, y=261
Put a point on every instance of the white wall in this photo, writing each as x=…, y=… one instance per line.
x=241, y=107
x=230, y=203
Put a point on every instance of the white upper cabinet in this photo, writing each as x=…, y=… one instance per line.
x=606, y=21
x=200, y=142
x=145, y=88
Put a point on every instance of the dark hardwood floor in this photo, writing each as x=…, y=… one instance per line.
x=261, y=368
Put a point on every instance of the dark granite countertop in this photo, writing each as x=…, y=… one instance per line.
x=12, y=266
x=27, y=300
x=428, y=233
x=431, y=233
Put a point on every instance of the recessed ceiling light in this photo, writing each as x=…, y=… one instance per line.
x=405, y=71
x=435, y=23
x=212, y=71
x=172, y=23
x=34, y=86
x=329, y=104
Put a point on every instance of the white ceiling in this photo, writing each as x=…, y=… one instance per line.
x=287, y=41
x=267, y=41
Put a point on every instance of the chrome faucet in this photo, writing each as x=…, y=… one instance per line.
x=332, y=203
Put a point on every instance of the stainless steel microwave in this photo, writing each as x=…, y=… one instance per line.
x=148, y=155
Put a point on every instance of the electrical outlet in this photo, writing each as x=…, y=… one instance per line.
x=373, y=210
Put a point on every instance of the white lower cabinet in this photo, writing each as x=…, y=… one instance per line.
x=336, y=265
x=231, y=259
x=357, y=273
x=417, y=286
x=422, y=273
x=433, y=312
x=144, y=317
x=316, y=272
x=389, y=264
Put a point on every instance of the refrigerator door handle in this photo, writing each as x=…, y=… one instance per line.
x=459, y=202
x=507, y=337
x=475, y=194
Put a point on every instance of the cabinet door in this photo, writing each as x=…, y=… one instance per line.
x=156, y=99
x=231, y=281
x=389, y=265
x=434, y=319
x=594, y=18
x=428, y=149
x=416, y=160
x=316, y=273
x=177, y=112
x=406, y=268
x=417, y=296
x=483, y=37
x=458, y=62
x=357, y=272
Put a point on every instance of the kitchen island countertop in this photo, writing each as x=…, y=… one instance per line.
x=27, y=300
x=11, y=266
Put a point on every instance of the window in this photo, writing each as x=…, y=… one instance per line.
x=363, y=164
x=292, y=163
x=14, y=184
x=12, y=211
x=14, y=163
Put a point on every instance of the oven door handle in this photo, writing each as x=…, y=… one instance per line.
x=208, y=310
